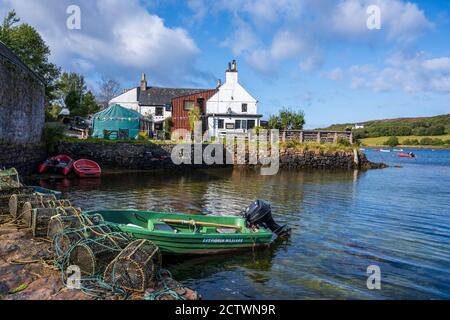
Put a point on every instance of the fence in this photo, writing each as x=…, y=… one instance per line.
x=316, y=136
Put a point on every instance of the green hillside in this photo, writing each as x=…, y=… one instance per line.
x=422, y=126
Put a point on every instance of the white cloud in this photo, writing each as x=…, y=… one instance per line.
x=281, y=29
x=401, y=73
x=335, y=74
x=118, y=38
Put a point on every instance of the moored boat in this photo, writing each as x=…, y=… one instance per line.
x=385, y=150
x=177, y=233
x=407, y=155
x=62, y=164
x=85, y=168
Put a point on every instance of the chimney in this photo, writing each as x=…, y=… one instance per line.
x=232, y=74
x=234, y=66
x=143, y=82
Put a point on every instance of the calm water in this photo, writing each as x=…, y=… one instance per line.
x=342, y=222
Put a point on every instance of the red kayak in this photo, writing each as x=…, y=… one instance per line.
x=407, y=155
x=61, y=163
x=85, y=168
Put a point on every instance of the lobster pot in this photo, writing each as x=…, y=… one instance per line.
x=16, y=201
x=93, y=255
x=64, y=241
x=63, y=203
x=136, y=267
x=5, y=195
x=27, y=210
x=71, y=211
x=41, y=219
x=60, y=223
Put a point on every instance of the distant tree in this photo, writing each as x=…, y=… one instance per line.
x=108, y=89
x=70, y=82
x=436, y=130
x=420, y=131
x=73, y=103
x=287, y=119
x=29, y=46
x=89, y=104
x=392, y=142
x=52, y=113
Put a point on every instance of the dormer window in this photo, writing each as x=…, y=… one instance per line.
x=244, y=107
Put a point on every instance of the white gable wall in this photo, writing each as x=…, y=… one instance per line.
x=231, y=95
x=127, y=99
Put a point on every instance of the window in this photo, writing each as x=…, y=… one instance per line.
x=250, y=124
x=189, y=105
x=220, y=124
x=244, y=124
x=168, y=107
x=244, y=107
x=238, y=124
x=159, y=112
x=230, y=126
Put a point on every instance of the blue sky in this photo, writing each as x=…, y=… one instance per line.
x=314, y=55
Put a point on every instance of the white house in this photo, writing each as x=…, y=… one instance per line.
x=154, y=102
x=358, y=126
x=232, y=109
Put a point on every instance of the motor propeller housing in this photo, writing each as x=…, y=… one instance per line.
x=259, y=214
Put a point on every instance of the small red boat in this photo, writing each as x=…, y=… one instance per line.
x=407, y=155
x=61, y=163
x=85, y=168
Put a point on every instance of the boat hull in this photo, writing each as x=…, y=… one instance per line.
x=185, y=241
x=61, y=164
x=87, y=169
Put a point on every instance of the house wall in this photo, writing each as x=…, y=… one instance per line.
x=229, y=99
x=180, y=117
x=151, y=111
x=231, y=95
x=128, y=99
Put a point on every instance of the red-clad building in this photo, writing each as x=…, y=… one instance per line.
x=182, y=105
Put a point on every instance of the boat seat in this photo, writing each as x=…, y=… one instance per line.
x=160, y=226
x=227, y=231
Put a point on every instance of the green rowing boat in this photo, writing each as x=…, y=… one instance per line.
x=194, y=234
x=186, y=234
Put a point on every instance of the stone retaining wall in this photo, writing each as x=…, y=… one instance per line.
x=158, y=156
x=25, y=158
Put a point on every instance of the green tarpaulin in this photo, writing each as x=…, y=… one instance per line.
x=117, y=118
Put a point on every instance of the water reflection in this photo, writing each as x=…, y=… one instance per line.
x=342, y=222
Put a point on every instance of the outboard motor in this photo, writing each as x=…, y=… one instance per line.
x=259, y=214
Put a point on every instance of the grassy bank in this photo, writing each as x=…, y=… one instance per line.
x=379, y=141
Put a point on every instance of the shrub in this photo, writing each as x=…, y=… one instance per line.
x=437, y=142
x=420, y=131
x=392, y=142
x=447, y=142
x=53, y=133
x=344, y=142
x=426, y=141
x=407, y=142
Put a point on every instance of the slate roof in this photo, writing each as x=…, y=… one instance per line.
x=156, y=96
